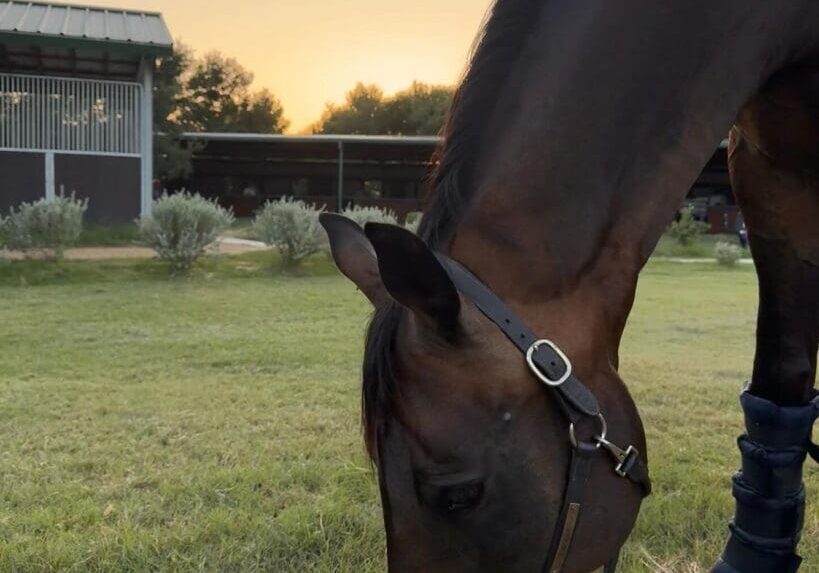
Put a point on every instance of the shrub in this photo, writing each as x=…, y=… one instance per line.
x=364, y=215
x=47, y=225
x=292, y=227
x=181, y=226
x=727, y=253
x=687, y=228
x=413, y=221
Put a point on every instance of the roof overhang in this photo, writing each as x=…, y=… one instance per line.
x=103, y=46
x=78, y=27
x=344, y=139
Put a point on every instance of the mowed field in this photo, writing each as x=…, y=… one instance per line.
x=211, y=423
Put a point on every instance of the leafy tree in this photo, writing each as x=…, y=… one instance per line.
x=261, y=112
x=418, y=110
x=171, y=160
x=215, y=90
x=218, y=98
x=211, y=93
x=362, y=113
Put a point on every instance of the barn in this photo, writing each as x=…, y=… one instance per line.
x=75, y=105
x=243, y=171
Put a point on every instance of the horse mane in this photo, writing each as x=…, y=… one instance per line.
x=500, y=43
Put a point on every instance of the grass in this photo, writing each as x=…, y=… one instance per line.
x=210, y=423
x=242, y=228
x=95, y=235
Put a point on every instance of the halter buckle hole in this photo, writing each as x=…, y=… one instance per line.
x=543, y=376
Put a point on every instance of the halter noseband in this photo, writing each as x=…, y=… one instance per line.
x=554, y=369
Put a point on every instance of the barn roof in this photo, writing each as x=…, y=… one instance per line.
x=421, y=140
x=84, y=27
x=402, y=149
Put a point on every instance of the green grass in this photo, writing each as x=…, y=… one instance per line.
x=109, y=235
x=210, y=423
x=242, y=228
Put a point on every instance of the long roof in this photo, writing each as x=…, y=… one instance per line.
x=361, y=139
x=278, y=138
x=84, y=27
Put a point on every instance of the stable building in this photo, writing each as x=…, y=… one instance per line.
x=243, y=171
x=76, y=111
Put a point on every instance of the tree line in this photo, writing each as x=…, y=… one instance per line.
x=213, y=93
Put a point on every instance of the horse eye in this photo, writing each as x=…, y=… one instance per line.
x=460, y=497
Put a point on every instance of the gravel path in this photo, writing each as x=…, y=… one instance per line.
x=223, y=245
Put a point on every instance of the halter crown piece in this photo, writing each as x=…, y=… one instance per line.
x=554, y=369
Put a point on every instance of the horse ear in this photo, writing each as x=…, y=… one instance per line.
x=354, y=255
x=413, y=276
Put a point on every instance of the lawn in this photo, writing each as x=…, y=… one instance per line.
x=211, y=423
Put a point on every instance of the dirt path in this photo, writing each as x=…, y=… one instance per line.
x=224, y=245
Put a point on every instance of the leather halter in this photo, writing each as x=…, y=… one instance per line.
x=548, y=363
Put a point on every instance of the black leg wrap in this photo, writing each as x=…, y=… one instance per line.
x=770, y=496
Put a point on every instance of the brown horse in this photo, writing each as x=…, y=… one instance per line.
x=575, y=135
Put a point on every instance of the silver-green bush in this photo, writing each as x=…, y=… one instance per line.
x=181, y=226
x=48, y=225
x=727, y=253
x=292, y=227
x=687, y=228
x=364, y=215
x=413, y=221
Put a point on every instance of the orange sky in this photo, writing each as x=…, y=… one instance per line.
x=309, y=52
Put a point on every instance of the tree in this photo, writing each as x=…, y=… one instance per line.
x=418, y=110
x=261, y=112
x=215, y=90
x=171, y=160
x=362, y=113
x=218, y=98
x=208, y=94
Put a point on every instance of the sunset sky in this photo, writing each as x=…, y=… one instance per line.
x=310, y=52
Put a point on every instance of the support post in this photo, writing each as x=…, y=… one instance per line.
x=146, y=113
x=340, y=201
x=49, y=175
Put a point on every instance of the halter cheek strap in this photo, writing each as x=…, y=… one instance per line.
x=554, y=369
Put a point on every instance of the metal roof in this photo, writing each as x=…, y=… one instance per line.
x=88, y=27
x=265, y=138
x=361, y=139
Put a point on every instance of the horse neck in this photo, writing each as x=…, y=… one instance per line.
x=603, y=124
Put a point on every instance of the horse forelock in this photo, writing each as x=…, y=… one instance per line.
x=378, y=389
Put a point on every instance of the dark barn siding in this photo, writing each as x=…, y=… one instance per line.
x=111, y=185
x=22, y=178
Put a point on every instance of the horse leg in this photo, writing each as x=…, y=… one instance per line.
x=775, y=175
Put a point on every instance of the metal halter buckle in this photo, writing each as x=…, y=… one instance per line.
x=621, y=456
x=530, y=360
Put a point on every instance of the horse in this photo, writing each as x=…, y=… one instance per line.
x=574, y=136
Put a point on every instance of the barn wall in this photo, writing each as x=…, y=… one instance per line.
x=22, y=178
x=111, y=184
